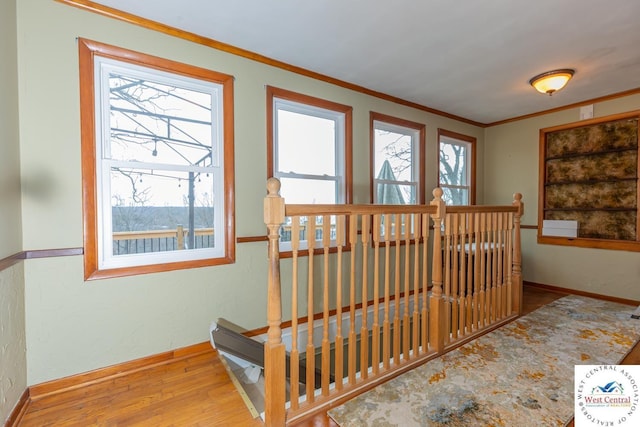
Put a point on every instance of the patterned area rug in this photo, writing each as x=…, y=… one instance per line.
x=520, y=374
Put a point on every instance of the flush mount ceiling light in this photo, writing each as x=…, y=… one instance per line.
x=551, y=81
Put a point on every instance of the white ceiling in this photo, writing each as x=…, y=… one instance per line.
x=469, y=58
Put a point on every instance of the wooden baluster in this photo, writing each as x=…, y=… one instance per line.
x=492, y=276
x=396, y=290
x=417, y=235
x=495, y=309
x=462, y=253
x=483, y=271
x=436, y=313
x=487, y=271
x=339, y=347
x=294, y=356
x=487, y=278
x=353, y=236
x=424, y=324
x=476, y=270
x=455, y=251
x=508, y=263
x=447, y=277
x=500, y=312
x=364, y=329
x=375, y=334
x=274, y=349
x=386, y=330
x=517, y=254
x=325, y=372
x=490, y=262
x=470, y=260
x=310, y=352
x=470, y=267
x=497, y=264
x=406, y=320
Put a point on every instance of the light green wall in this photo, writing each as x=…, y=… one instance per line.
x=13, y=358
x=511, y=164
x=10, y=229
x=13, y=361
x=75, y=326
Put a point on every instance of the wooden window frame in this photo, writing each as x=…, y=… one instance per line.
x=473, y=142
x=274, y=92
x=88, y=50
x=586, y=242
x=419, y=145
x=284, y=94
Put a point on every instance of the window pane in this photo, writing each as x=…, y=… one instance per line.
x=308, y=229
x=155, y=122
x=396, y=160
x=455, y=196
x=306, y=144
x=149, y=207
x=306, y=191
x=390, y=222
x=396, y=149
x=453, y=164
x=395, y=193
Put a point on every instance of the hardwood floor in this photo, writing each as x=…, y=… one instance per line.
x=191, y=392
x=195, y=391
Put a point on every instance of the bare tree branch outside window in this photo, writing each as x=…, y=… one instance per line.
x=394, y=179
x=163, y=132
x=454, y=177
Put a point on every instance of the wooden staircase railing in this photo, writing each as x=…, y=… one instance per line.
x=376, y=294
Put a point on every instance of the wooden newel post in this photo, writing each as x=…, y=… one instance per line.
x=436, y=303
x=517, y=254
x=274, y=349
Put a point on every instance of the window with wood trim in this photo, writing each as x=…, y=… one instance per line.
x=309, y=150
x=157, y=163
x=589, y=193
x=397, y=160
x=457, y=167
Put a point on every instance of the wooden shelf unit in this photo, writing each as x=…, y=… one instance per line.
x=589, y=173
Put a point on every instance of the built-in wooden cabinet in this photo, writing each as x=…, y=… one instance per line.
x=589, y=174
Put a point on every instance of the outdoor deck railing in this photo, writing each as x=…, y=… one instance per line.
x=133, y=242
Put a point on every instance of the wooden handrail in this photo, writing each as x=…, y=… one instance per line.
x=317, y=210
x=480, y=208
